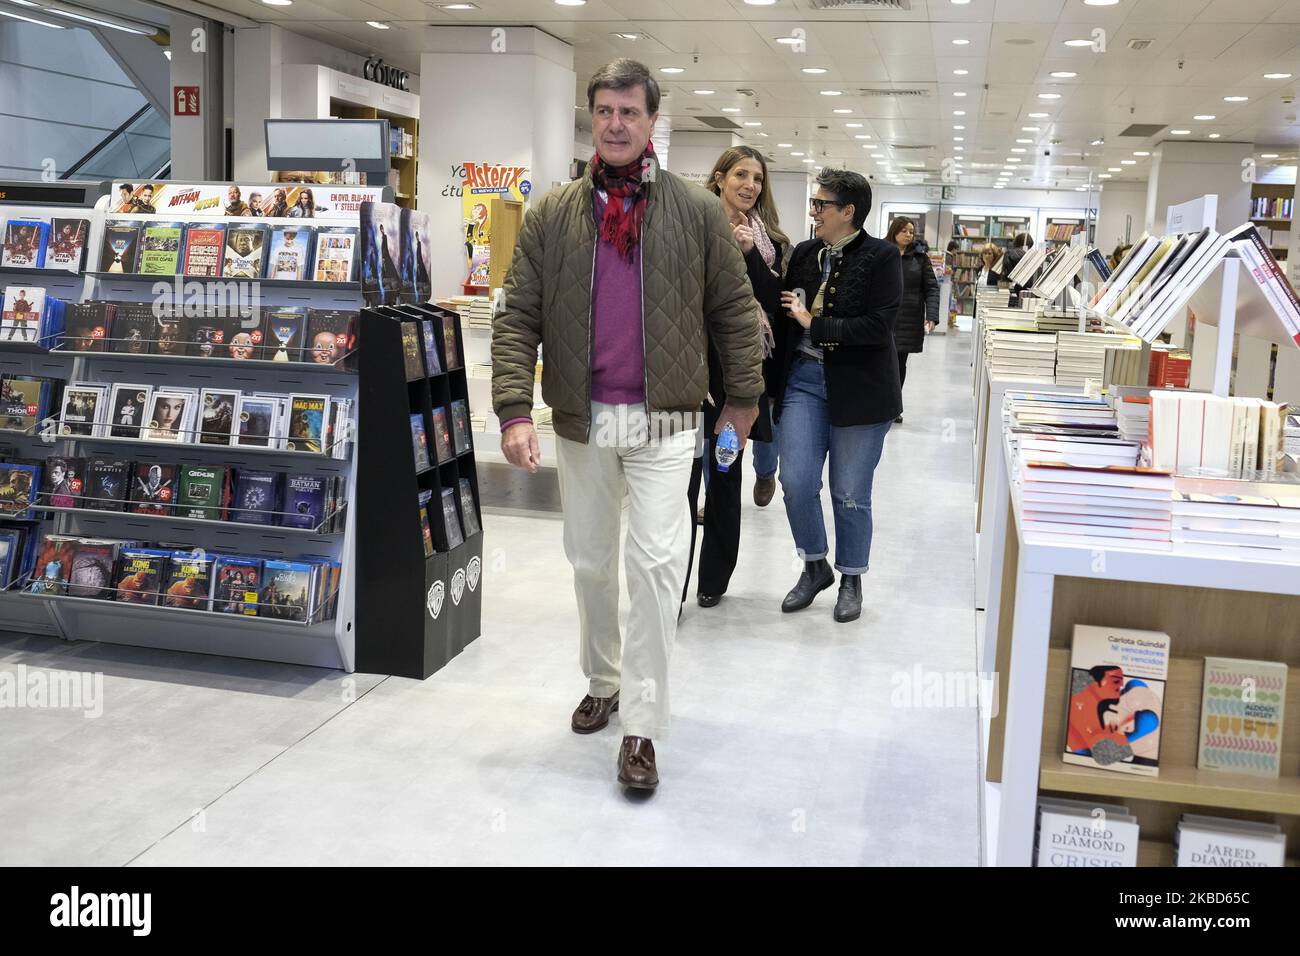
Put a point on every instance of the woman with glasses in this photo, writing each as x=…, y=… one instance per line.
x=840, y=391
x=918, y=313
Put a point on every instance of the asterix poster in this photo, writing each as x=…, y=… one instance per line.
x=483, y=180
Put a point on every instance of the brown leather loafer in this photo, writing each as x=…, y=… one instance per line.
x=764, y=489
x=593, y=713
x=636, y=764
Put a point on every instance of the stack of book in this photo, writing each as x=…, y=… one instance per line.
x=1081, y=356
x=1196, y=433
x=1205, y=841
x=1073, y=833
x=1009, y=318
x=1058, y=320
x=1021, y=356
x=1256, y=520
x=1132, y=404
x=1170, y=367
x=1096, y=506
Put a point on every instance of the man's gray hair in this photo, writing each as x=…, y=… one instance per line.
x=623, y=74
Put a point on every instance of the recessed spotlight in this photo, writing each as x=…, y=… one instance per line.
x=1038, y=115
x=760, y=3
x=842, y=111
x=1049, y=96
x=796, y=154
x=1098, y=142
x=377, y=25
x=731, y=109
x=1214, y=135
x=753, y=123
x=1018, y=149
x=853, y=126
x=790, y=41
x=1080, y=189
x=668, y=69
x=958, y=149
x=1114, y=169
x=961, y=72
x=1180, y=132
x=628, y=36
x=1100, y=3
x=1128, y=162
x=861, y=136
x=832, y=92
x=961, y=42
x=702, y=92
x=959, y=93
x=1029, y=129
x=1063, y=75
x=784, y=145
x=814, y=69
x=1235, y=99
x=571, y=3
x=1141, y=152
x=277, y=3
x=1204, y=117
x=1014, y=159
x=1104, y=176
x=958, y=112
x=1268, y=155
x=457, y=6
x=808, y=160
x=960, y=3
x=959, y=139
x=1024, y=141
x=1277, y=76
x=1078, y=43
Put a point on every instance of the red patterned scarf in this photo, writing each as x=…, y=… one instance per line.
x=622, y=227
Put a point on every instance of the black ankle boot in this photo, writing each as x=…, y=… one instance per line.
x=817, y=577
x=848, y=605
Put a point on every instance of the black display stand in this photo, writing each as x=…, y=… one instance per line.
x=413, y=614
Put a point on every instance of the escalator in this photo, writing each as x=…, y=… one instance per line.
x=138, y=149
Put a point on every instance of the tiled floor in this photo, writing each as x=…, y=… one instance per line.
x=792, y=741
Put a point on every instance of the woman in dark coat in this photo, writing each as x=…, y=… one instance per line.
x=918, y=313
x=739, y=180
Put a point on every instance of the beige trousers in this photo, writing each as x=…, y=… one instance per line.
x=655, y=471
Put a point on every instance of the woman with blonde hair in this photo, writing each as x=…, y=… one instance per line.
x=739, y=180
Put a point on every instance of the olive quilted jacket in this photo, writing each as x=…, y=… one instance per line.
x=694, y=283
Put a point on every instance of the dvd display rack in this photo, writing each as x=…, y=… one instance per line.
x=327, y=636
x=424, y=595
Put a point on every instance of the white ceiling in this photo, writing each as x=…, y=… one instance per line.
x=1201, y=51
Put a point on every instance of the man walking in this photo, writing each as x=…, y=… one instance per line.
x=622, y=276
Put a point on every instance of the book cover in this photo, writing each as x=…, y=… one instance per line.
x=286, y=590
x=455, y=537
x=202, y=492
x=469, y=512
x=1070, y=837
x=290, y=251
x=121, y=247
x=92, y=570
x=335, y=255
x=305, y=501
x=10, y=548
x=160, y=250
x=168, y=335
x=189, y=581
x=87, y=328
x=328, y=335
x=236, y=585
x=107, y=483
x=430, y=333
x=1116, y=699
x=128, y=405
x=19, y=484
x=53, y=564
x=257, y=497
x=140, y=575
x=1205, y=841
x=412, y=351
x=282, y=333
x=62, y=482
x=306, y=431
x=22, y=402
x=153, y=488
x=205, y=336
x=217, y=416
x=244, y=253
x=133, y=328
x=168, y=416
x=1241, y=716
x=449, y=339
x=67, y=249
x=441, y=436
x=25, y=243
x=21, y=319
x=460, y=425
x=204, y=243
x=419, y=442
x=426, y=533
x=80, y=412
x=255, y=421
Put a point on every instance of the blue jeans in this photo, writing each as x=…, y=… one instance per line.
x=805, y=438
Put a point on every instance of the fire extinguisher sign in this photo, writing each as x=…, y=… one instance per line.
x=185, y=100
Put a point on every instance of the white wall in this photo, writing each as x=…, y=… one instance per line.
x=790, y=192
x=1183, y=171
x=695, y=153
x=1120, y=201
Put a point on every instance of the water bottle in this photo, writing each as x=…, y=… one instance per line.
x=728, y=447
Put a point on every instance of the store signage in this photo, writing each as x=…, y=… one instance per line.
x=246, y=201
x=376, y=71
x=472, y=571
x=433, y=601
x=457, y=586
x=482, y=180
x=186, y=100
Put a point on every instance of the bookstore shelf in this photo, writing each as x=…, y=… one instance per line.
x=25, y=348
x=323, y=455
x=227, y=526
x=272, y=284
x=252, y=365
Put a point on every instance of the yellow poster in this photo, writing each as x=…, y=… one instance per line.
x=482, y=181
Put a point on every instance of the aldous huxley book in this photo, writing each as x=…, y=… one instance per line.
x=1074, y=833
x=1205, y=841
x=1241, y=716
x=1115, y=699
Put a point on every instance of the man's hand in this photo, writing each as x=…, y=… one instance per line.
x=929, y=326
x=519, y=445
x=742, y=418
